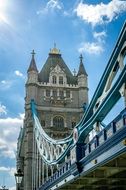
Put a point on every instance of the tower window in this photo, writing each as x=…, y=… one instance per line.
x=48, y=93
x=58, y=121
x=54, y=79
x=61, y=94
x=60, y=80
x=54, y=93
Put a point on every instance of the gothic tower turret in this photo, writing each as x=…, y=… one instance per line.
x=32, y=79
x=82, y=83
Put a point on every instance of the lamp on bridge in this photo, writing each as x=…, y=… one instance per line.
x=18, y=178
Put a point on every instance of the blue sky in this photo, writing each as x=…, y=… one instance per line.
x=89, y=27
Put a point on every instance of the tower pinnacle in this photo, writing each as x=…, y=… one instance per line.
x=81, y=67
x=32, y=66
x=81, y=58
x=33, y=53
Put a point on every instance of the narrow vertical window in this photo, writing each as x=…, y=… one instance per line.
x=61, y=94
x=54, y=93
x=54, y=79
x=48, y=93
x=60, y=80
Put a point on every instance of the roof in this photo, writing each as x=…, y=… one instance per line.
x=32, y=66
x=53, y=59
x=82, y=70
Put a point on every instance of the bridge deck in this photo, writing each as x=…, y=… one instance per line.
x=111, y=175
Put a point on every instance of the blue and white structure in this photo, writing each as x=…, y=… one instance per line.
x=55, y=150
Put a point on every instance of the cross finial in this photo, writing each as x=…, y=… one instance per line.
x=81, y=58
x=33, y=53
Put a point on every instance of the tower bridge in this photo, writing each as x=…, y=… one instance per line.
x=54, y=149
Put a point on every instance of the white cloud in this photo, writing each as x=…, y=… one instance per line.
x=66, y=13
x=5, y=84
x=96, y=47
x=91, y=48
x=100, y=13
x=100, y=35
x=51, y=6
x=3, y=109
x=54, y=4
x=18, y=73
x=12, y=188
x=2, y=168
x=21, y=115
x=9, y=131
x=10, y=170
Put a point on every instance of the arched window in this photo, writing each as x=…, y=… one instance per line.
x=54, y=79
x=58, y=121
x=60, y=80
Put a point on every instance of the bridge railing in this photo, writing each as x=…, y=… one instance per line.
x=85, y=149
x=65, y=168
x=106, y=133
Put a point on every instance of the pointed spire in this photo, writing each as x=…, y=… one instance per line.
x=32, y=66
x=81, y=58
x=81, y=67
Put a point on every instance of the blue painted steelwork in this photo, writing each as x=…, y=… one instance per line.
x=89, y=118
x=20, y=141
x=111, y=63
x=105, y=146
x=110, y=100
x=41, y=135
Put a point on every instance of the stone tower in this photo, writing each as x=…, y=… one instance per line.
x=60, y=99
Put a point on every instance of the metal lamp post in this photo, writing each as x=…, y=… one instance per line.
x=18, y=178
